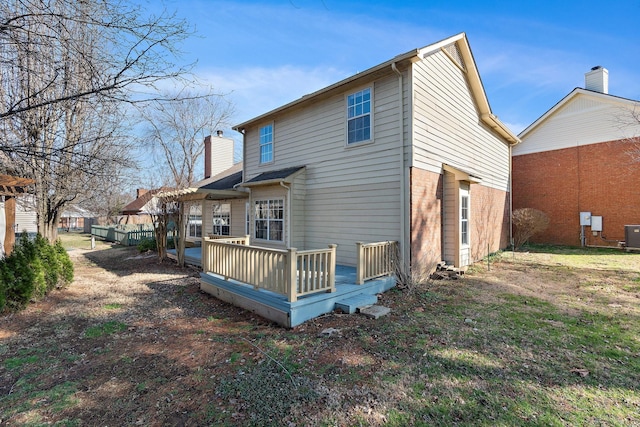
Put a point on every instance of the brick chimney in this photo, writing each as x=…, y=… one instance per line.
x=597, y=80
x=140, y=192
x=218, y=154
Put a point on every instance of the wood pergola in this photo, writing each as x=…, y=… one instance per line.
x=10, y=188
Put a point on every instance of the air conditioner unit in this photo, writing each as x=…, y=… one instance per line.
x=632, y=236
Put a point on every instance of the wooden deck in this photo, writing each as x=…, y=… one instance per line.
x=348, y=296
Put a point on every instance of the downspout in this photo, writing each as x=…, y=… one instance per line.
x=403, y=184
x=511, y=196
x=288, y=214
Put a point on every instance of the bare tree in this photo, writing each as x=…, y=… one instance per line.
x=175, y=130
x=66, y=67
x=135, y=50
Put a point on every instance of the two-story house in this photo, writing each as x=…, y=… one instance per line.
x=408, y=151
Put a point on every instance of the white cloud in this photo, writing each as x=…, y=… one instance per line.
x=257, y=90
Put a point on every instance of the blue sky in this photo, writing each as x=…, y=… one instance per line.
x=264, y=54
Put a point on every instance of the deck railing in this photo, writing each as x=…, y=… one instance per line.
x=375, y=260
x=286, y=272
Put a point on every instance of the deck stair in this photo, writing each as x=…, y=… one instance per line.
x=354, y=303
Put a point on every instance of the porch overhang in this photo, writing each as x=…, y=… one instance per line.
x=274, y=177
x=223, y=188
x=462, y=175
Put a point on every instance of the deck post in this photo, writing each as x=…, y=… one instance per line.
x=246, y=239
x=291, y=274
x=360, y=263
x=332, y=268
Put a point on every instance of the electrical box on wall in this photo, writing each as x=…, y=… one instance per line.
x=596, y=223
x=585, y=218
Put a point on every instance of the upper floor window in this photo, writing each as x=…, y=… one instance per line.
x=266, y=144
x=359, y=116
x=221, y=219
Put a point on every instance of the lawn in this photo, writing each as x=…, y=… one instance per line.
x=546, y=337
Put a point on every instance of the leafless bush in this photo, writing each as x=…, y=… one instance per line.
x=526, y=223
x=409, y=277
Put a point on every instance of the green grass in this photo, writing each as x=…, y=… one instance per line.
x=77, y=240
x=104, y=329
x=562, y=349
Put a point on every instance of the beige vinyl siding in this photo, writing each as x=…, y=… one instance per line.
x=583, y=120
x=450, y=218
x=351, y=193
x=447, y=127
x=298, y=209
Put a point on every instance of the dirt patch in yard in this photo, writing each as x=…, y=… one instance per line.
x=135, y=342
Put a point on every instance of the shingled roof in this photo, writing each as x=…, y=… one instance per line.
x=277, y=175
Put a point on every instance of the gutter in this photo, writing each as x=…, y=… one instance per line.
x=403, y=180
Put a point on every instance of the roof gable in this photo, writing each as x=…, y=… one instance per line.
x=456, y=47
x=577, y=100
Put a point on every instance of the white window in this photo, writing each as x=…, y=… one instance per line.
x=359, y=116
x=194, y=222
x=464, y=218
x=247, y=211
x=269, y=219
x=221, y=219
x=266, y=144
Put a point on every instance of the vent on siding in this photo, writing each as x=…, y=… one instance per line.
x=454, y=53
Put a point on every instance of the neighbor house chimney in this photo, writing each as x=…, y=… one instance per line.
x=597, y=79
x=140, y=192
x=218, y=154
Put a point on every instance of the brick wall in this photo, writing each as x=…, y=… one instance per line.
x=426, y=219
x=599, y=178
x=489, y=219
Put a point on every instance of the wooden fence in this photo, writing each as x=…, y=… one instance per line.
x=291, y=273
x=124, y=237
x=375, y=260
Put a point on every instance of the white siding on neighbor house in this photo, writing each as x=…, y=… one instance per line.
x=584, y=119
x=26, y=217
x=351, y=193
x=447, y=127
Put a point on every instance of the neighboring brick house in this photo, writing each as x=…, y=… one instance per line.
x=580, y=160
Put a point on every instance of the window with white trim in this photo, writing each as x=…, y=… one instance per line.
x=221, y=219
x=247, y=213
x=464, y=219
x=269, y=219
x=359, y=116
x=266, y=144
x=194, y=221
